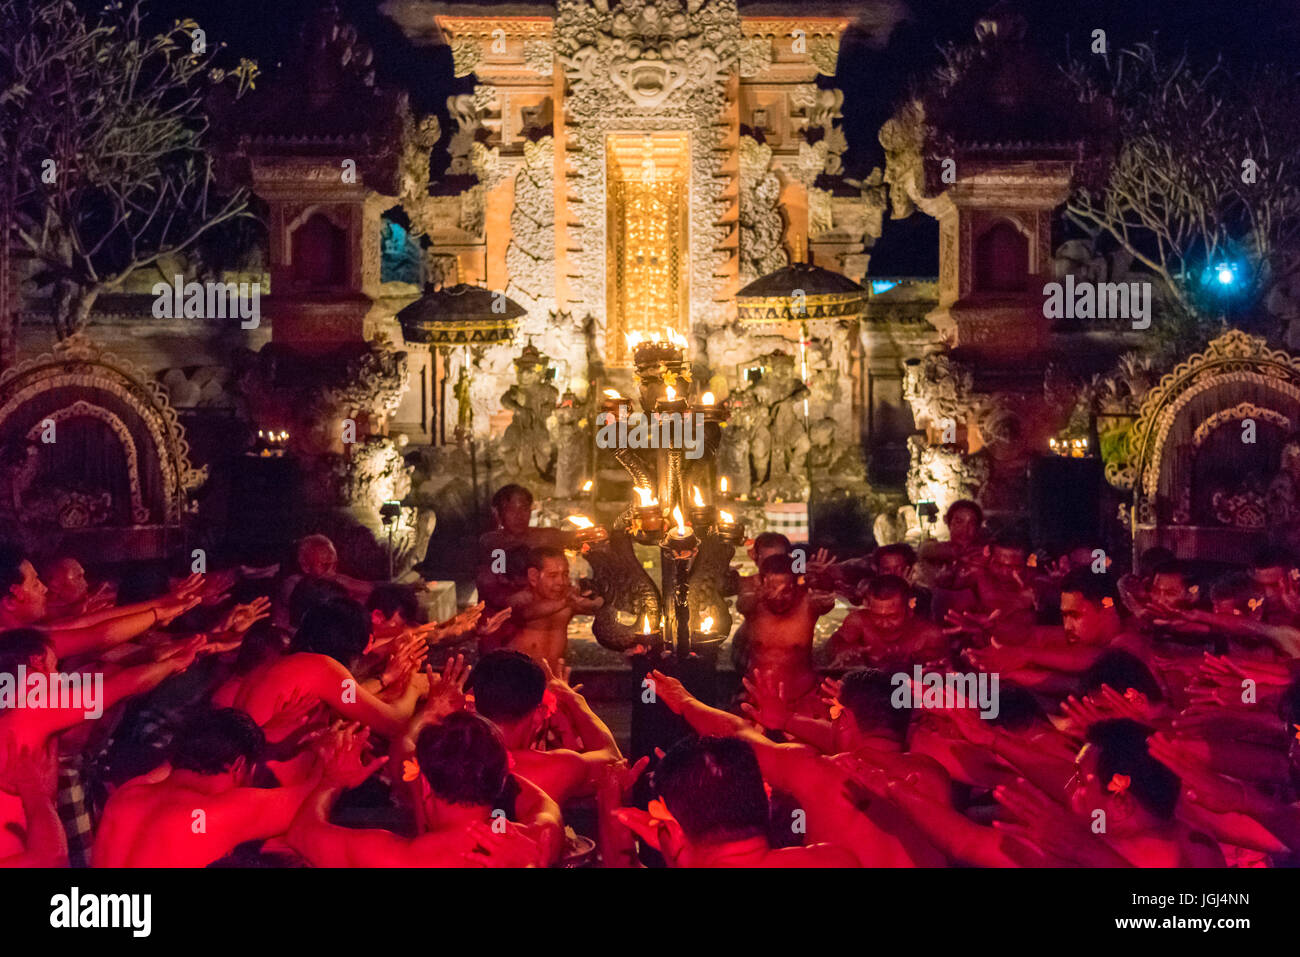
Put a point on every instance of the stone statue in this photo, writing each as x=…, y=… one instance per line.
x=527, y=451
x=786, y=436
x=737, y=441
x=573, y=441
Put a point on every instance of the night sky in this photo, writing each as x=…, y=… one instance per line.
x=1243, y=31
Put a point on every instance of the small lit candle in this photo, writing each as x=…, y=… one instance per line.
x=586, y=486
x=701, y=514
x=670, y=402
x=648, y=512
x=709, y=409
x=586, y=531
x=681, y=538
x=729, y=529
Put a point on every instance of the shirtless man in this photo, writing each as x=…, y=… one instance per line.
x=949, y=567
x=878, y=837
x=463, y=769
x=318, y=559
x=1003, y=583
x=717, y=812
x=153, y=821
x=326, y=647
x=748, y=588
x=513, y=692
x=542, y=611
x=31, y=728
x=69, y=592
x=886, y=632
x=781, y=619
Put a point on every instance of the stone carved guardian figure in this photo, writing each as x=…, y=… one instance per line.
x=527, y=451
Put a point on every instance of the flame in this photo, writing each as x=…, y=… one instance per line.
x=670, y=393
x=646, y=629
x=722, y=484
x=707, y=624
x=586, y=486
x=706, y=399
x=725, y=517
x=645, y=495
x=675, y=337
x=634, y=339
x=699, y=499
x=581, y=521
x=677, y=517
x=612, y=394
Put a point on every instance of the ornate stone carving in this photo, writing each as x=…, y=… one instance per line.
x=530, y=257
x=418, y=139
x=940, y=389
x=82, y=409
x=539, y=54
x=653, y=67
x=824, y=53
x=943, y=474
x=1240, y=411
x=761, y=223
x=465, y=55
x=755, y=55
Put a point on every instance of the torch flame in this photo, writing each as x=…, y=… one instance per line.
x=726, y=517
x=646, y=628
x=706, y=399
x=581, y=521
x=677, y=517
x=699, y=499
x=634, y=339
x=644, y=494
x=586, y=486
x=722, y=484
x=670, y=393
x=707, y=624
x=612, y=394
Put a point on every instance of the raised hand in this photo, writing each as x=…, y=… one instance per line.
x=291, y=715
x=172, y=607
x=1203, y=786
x=31, y=770
x=489, y=625
x=446, y=690
x=243, y=617
x=405, y=660
x=342, y=752
x=670, y=691
x=768, y=704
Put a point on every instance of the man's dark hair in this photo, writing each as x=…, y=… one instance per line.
x=339, y=628
x=714, y=788
x=538, y=555
x=1122, y=749
x=1018, y=709
x=18, y=646
x=1172, y=566
x=886, y=588
x=765, y=540
x=1152, y=558
x=11, y=566
x=1236, y=587
x=262, y=643
x=507, y=685
x=1012, y=538
x=777, y=565
x=968, y=505
x=309, y=593
x=212, y=741
x=867, y=694
x=1273, y=556
x=464, y=759
x=507, y=492
x=1122, y=670
x=388, y=600
x=1095, y=587
x=901, y=549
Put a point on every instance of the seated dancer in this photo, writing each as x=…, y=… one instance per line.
x=886, y=632
x=462, y=766
x=899, y=560
x=878, y=835
x=69, y=592
x=542, y=611
x=1118, y=810
x=748, y=586
x=494, y=591
x=33, y=775
x=512, y=510
x=1004, y=583
x=198, y=809
x=32, y=728
x=324, y=650
x=395, y=614
x=318, y=560
x=782, y=617
x=948, y=568
x=520, y=697
x=714, y=812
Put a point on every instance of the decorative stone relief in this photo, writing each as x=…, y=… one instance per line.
x=530, y=257
x=755, y=55
x=654, y=66
x=465, y=55
x=824, y=53
x=761, y=223
x=539, y=54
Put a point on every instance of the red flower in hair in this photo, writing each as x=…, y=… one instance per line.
x=1119, y=783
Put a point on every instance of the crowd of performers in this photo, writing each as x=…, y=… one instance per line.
x=299, y=717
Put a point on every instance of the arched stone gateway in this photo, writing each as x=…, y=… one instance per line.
x=1214, y=454
x=93, y=459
